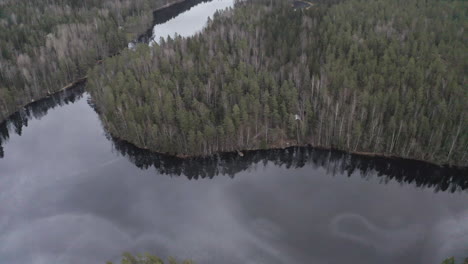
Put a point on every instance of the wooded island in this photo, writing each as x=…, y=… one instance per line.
x=365, y=76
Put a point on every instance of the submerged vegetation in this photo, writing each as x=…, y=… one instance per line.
x=389, y=79
x=47, y=44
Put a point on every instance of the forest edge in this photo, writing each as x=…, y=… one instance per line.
x=240, y=152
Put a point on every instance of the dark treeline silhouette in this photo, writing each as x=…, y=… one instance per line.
x=335, y=162
x=37, y=110
x=422, y=174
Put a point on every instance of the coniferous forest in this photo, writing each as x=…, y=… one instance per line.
x=47, y=44
x=383, y=76
x=112, y=140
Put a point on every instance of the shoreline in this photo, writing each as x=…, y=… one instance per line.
x=71, y=85
x=239, y=152
x=184, y=5
x=242, y=152
x=82, y=79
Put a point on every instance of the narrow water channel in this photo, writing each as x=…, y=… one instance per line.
x=71, y=194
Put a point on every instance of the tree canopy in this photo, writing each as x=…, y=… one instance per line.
x=48, y=44
x=128, y=258
x=390, y=79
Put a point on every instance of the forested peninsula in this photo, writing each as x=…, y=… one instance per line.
x=45, y=45
x=381, y=76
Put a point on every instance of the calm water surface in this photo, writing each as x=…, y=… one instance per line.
x=187, y=23
x=70, y=194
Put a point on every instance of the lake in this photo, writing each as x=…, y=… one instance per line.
x=69, y=193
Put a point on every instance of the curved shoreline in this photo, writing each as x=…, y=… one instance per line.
x=242, y=152
x=71, y=85
x=84, y=79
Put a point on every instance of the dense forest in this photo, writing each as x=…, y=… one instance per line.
x=336, y=163
x=150, y=259
x=390, y=78
x=47, y=44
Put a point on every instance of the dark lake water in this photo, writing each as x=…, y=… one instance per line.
x=300, y=4
x=71, y=194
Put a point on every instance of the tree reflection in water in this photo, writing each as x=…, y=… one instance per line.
x=37, y=110
x=421, y=174
x=161, y=16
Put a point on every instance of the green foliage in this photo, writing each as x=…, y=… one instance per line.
x=449, y=261
x=452, y=261
x=148, y=259
x=47, y=44
x=388, y=79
